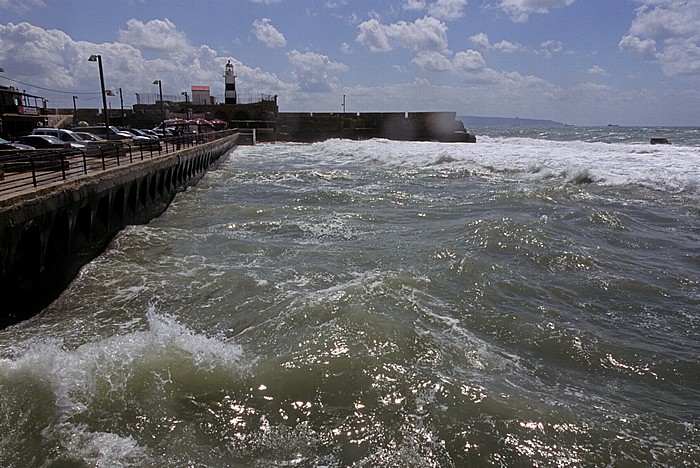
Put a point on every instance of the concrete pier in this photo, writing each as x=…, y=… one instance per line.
x=49, y=233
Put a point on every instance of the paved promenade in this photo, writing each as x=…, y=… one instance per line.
x=25, y=173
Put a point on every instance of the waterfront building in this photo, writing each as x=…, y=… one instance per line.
x=201, y=96
x=20, y=112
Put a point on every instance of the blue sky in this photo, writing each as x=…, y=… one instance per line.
x=583, y=62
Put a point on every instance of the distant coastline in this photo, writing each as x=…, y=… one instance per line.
x=471, y=121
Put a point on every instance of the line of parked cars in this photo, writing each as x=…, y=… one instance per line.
x=81, y=138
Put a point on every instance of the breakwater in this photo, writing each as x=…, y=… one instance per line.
x=48, y=234
x=406, y=126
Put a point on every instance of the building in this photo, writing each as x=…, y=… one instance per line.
x=201, y=96
x=20, y=113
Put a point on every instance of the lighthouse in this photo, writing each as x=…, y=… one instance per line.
x=230, y=95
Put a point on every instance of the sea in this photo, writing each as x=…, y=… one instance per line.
x=531, y=300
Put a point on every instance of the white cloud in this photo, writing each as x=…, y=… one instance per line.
x=373, y=35
x=507, y=46
x=481, y=40
x=345, y=48
x=520, y=10
x=423, y=35
x=313, y=72
x=447, y=9
x=597, y=70
x=442, y=9
x=156, y=35
x=667, y=31
x=53, y=60
x=268, y=34
x=470, y=61
x=551, y=47
x=432, y=61
x=646, y=47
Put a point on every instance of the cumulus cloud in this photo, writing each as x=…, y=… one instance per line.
x=646, y=47
x=268, y=34
x=157, y=35
x=314, y=72
x=423, y=35
x=470, y=61
x=442, y=9
x=432, y=61
x=482, y=40
x=667, y=31
x=520, y=10
x=53, y=60
x=447, y=9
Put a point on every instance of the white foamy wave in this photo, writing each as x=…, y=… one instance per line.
x=76, y=385
x=666, y=168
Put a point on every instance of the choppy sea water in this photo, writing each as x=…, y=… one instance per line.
x=529, y=300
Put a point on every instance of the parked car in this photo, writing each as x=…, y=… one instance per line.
x=7, y=145
x=111, y=133
x=62, y=134
x=150, y=133
x=48, y=142
x=135, y=134
x=89, y=137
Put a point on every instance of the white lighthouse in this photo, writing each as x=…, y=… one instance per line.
x=230, y=94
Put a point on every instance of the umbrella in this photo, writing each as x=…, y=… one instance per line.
x=198, y=122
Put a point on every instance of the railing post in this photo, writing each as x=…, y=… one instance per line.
x=85, y=168
x=31, y=161
x=63, y=167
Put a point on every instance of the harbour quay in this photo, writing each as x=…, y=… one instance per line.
x=49, y=230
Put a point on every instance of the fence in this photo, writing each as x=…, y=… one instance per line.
x=24, y=170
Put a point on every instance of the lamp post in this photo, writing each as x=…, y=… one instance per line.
x=75, y=110
x=98, y=59
x=160, y=88
x=121, y=101
x=187, y=105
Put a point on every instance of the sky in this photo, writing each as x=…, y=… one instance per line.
x=580, y=62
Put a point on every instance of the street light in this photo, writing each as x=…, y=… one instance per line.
x=75, y=110
x=160, y=88
x=121, y=101
x=187, y=104
x=98, y=59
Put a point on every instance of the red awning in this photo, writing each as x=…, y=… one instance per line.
x=198, y=122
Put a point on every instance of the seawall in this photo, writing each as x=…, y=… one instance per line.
x=414, y=126
x=48, y=234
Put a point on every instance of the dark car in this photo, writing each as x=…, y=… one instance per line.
x=6, y=145
x=43, y=142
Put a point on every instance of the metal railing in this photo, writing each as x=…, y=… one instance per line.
x=26, y=170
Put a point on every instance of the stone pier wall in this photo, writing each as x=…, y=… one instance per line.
x=47, y=235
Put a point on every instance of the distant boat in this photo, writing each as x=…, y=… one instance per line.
x=613, y=125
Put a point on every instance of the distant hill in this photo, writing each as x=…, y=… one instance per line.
x=472, y=121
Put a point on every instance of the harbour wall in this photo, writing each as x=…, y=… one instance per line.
x=48, y=234
x=413, y=126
